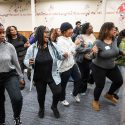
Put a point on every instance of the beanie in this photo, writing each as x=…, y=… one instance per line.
x=65, y=26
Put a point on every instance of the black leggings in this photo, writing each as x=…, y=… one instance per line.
x=100, y=75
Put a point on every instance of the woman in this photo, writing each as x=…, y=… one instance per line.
x=120, y=61
x=20, y=43
x=103, y=65
x=68, y=66
x=10, y=77
x=83, y=59
x=44, y=62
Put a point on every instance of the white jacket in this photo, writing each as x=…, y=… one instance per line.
x=66, y=45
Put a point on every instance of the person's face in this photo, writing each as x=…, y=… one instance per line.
x=68, y=33
x=78, y=25
x=46, y=35
x=90, y=29
x=116, y=33
x=58, y=32
x=112, y=32
x=13, y=31
x=2, y=34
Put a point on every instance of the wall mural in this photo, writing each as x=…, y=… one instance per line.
x=47, y=12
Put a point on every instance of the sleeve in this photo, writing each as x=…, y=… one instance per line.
x=29, y=55
x=15, y=62
x=24, y=38
x=59, y=52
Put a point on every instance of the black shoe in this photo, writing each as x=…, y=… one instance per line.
x=55, y=112
x=17, y=121
x=41, y=113
x=116, y=96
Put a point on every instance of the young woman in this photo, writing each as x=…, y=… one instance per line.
x=68, y=66
x=103, y=65
x=19, y=42
x=83, y=51
x=120, y=61
x=10, y=77
x=43, y=56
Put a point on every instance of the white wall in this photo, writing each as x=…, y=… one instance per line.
x=53, y=13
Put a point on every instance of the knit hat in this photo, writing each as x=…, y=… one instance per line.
x=65, y=26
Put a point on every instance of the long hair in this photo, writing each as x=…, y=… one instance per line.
x=84, y=28
x=9, y=36
x=39, y=35
x=105, y=29
x=121, y=36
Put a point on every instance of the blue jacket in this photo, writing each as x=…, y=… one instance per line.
x=56, y=54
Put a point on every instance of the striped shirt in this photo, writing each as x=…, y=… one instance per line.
x=8, y=59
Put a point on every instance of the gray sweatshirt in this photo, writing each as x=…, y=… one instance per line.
x=106, y=55
x=8, y=59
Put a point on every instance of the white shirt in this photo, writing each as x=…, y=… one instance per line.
x=66, y=45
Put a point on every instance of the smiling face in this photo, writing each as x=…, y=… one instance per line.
x=68, y=33
x=2, y=34
x=46, y=35
x=13, y=30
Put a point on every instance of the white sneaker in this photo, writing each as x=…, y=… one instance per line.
x=77, y=98
x=65, y=103
x=83, y=94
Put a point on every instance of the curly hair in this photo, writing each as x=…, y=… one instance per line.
x=84, y=28
x=105, y=29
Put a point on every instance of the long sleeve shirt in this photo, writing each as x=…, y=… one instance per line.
x=8, y=59
x=66, y=45
x=106, y=55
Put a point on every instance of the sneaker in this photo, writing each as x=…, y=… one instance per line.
x=17, y=121
x=83, y=94
x=41, y=113
x=65, y=103
x=111, y=98
x=55, y=112
x=95, y=105
x=77, y=98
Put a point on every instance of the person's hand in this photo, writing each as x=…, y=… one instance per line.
x=27, y=44
x=95, y=49
x=65, y=54
x=77, y=41
x=31, y=61
x=22, y=84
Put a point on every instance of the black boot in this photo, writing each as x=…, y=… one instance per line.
x=55, y=112
x=41, y=113
x=17, y=121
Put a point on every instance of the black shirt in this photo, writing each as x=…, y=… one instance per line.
x=18, y=43
x=43, y=66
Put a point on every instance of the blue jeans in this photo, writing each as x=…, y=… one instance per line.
x=10, y=82
x=75, y=74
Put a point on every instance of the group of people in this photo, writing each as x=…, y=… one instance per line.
x=57, y=56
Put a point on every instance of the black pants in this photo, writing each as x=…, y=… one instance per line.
x=75, y=74
x=100, y=75
x=10, y=82
x=41, y=92
x=86, y=77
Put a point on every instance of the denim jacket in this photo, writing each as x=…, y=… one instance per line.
x=56, y=54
